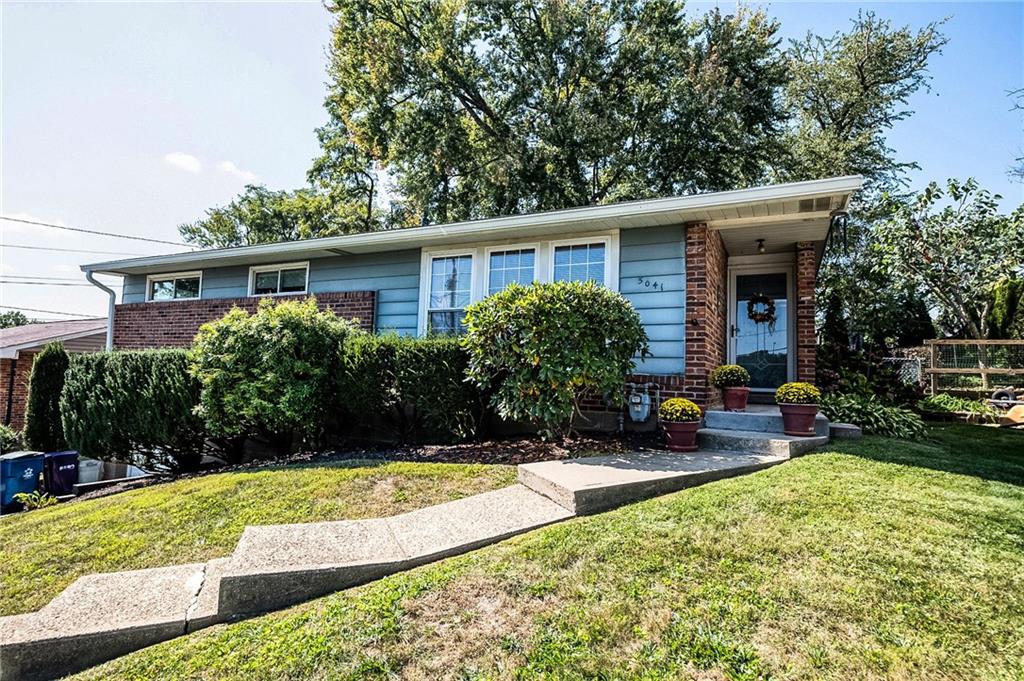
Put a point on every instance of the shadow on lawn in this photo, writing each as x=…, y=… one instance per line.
x=984, y=452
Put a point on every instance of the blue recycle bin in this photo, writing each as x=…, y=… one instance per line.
x=19, y=472
x=60, y=472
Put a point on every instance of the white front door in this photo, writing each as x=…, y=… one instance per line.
x=761, y=329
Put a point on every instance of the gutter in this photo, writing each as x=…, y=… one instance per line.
x=111, y=301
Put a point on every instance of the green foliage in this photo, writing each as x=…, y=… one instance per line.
x=679, y=410
x=12, y=318
x=729, y=376
x=135, y=406
x=417, y=385
x=33, y=500
x=540, y=348
x=10, y=440
x=43, y=429
x=495, y=108
x=797, y=393
x=1006, y=312
x=945, y=404
x=865, y=374
x=873, y=415
x=259, y=216
x=953, y=246
x=273, y=374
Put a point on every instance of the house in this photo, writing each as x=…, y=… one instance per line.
x=717, y=277
x=18, y=347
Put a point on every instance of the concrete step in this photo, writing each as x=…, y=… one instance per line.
x=762, y=420
x=103, y=616
x=758, y=442
x=598, y=483
x=276, y=566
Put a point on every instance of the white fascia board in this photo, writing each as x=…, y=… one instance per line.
x=493, y=227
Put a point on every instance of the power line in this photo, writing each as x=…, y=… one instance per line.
x=32, y=276
x=92, y=231
x=33, y=309
x=65, y=250
x=39, y=283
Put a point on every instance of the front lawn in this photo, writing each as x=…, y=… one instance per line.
x=196, y=519
x=874, y=559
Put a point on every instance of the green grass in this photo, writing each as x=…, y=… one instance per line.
x=875, y=559
x=43, y=551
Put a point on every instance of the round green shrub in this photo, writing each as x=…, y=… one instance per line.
x=797, y=393
x=10, y=439
x=873, y=415
x=679, y=410
x=43, y=429
x=730, y=376
x=272, y=375
x=540, y=348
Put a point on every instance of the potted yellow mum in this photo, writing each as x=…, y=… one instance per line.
x=798, y=403
x=680, y=419
x=733, y=380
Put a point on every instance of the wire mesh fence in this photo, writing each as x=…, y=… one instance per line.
x=977, y=365
x=909, y=369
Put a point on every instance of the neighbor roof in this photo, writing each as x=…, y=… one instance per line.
x=37, y=335
x=774, y=203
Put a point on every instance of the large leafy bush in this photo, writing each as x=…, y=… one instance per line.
x=43, y=429
x=873, y=415
x=540, y=348
x=10, y=439
x=272, y=375
x=135, y=406
x=417, y=387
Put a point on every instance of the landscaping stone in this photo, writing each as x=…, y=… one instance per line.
x=845, y=431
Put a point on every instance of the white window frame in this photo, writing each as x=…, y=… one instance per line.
x=257, y=269
x=543, y=264
x=172, y=275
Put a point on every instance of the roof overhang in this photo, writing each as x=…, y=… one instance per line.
x=12, y=351
x=769, y=207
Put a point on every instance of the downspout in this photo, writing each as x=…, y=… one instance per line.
x=112, y=299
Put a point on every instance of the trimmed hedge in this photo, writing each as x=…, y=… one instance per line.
x=417, y=387
x=43, y=429
x=135, y=406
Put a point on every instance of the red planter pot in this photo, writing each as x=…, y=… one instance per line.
x=798, y=419
x=681, y=436
x=735, y=398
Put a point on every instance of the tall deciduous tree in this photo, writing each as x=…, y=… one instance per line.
x=954, y=247
x=12, y=318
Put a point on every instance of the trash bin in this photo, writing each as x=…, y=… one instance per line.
x=60, y=472
x=19, y=472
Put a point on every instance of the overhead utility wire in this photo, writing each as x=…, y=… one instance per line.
x=38, y=283
x=33, y=277
x=93, y=231
x=65, y=250
x=34, y=309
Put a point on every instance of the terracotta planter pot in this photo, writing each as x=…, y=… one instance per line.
x=735, y=398
x=798, y=419
x=681, y=436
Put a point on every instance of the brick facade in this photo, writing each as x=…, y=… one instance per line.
x=13, y=402
x=706, y=311
x=806, y=340
x=175, y=323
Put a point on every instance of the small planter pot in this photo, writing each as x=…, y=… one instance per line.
x=681, y=436
x=798, y=419
x=735, y=398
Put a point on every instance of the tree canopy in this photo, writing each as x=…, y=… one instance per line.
x=11, y=318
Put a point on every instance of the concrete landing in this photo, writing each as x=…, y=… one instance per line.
x=599, y=483
x=758, y=442
x=762, y=418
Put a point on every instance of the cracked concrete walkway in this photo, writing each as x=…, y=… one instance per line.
x=103, y=616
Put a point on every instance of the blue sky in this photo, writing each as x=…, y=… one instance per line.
x=135, y=117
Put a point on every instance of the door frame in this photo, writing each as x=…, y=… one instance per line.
x=763, y=264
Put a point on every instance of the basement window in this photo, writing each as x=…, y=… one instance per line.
x=174, y=286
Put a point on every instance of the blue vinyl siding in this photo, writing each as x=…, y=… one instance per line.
x=394, y=276
x=652, y=275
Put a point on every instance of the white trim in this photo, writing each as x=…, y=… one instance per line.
x=543, y=264
x=173, y=275
x=782, y=262
x=257, y=269
x=681, y=208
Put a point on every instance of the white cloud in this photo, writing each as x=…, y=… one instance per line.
x=183, y=161
x=230, y=168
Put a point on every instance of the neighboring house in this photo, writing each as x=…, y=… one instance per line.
x=18, y=348
x=727, y=276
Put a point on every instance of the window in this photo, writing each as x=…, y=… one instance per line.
x=272, y=280
x=511, y=266
x=451, y=290
x=176, y=286
x=580, y=262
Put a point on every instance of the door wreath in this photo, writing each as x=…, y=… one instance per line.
x=761, y=310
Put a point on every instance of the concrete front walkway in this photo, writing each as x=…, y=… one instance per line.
x=103, y=616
